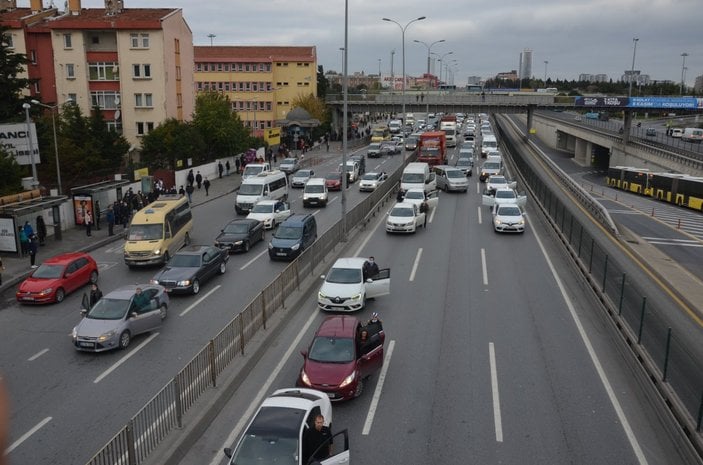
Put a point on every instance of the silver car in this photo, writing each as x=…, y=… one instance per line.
x=119, y=316
x=300, y=177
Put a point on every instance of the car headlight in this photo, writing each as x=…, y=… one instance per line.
x=185, y=282
x=304, y=378
x=295, y=247
x=74, y=333
x=356, y=297
x=348, y=380
x=46, y=291
x=521, y=222
x=153, y=281
x=268, y=221
x=105, y=336
x=320, y=295
x=238, y=242
x=157, y=252
x=270, y=246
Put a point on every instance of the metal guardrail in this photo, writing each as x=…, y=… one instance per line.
x=666, y=356
x=166, y=410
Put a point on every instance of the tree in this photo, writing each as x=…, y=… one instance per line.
x=317, y=109
x=221, y=129
x=322, y=83
x=11, y=179
x=11, y=64
x=170, y=142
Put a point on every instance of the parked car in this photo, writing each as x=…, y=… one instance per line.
x=270, y=212
x=300, y=177
x=504, y=195
x=276, y=432
x=333, y=181
x=370, y=181
x=404, y=217
x=190, y=267
x=56, y=277
x=289, y=165
x=339, y=359
x=346, y=290
x=508, y=218
x=240, y=234
x=650, y=132
x=120, y=315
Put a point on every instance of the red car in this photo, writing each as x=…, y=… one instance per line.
x=337, y=361
x=333, y=181
x=56, y=277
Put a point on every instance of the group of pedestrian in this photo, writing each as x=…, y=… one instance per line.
x=30, y=240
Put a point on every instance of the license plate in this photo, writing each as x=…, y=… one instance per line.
x=87, y=344
x=331, y=395
x=281, y=254
x=28, y=298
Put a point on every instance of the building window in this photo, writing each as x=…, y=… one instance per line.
x=139, y=40
x=279, y=64
x=72, y=98
x=226, y=66
x=104, y=99
x=144, y=128
x=8, y=40
x=177, y=45
x=115, y=126
x=200, y=86
x=67, y=41
x=219, y=66
x=103, y=71
x=95, y=40
x=179, y=100
x=37, y=89
x=33, y=57
x=178, y=73
x=198, y=66
x=70, y=71
x=226, y=86
x=141, y=71
x=246, y=67
x=143, y=101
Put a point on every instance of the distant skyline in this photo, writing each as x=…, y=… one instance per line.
x=574, y=36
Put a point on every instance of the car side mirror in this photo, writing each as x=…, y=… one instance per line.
x=84, y=312
x=228, y=452
x=304, y=353
x=133, y=315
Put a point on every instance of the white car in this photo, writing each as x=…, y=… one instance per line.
x=417, y=195
x=276, y=432
x=370, y=181
x=404, y=217
x=270, y=212
x=508, y=218
x=345, y=289
x=498, y=181
x=504, y=196
x=300, y=177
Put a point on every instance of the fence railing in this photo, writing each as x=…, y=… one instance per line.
x=166, y=410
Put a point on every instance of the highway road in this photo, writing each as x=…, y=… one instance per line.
x=493, y=355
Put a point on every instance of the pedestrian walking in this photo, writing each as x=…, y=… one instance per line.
x=96, y=209
x=220, y=168
x=206, y=185
x=424, y=208
x=227, y=167
x=41, y=229
x=88, y=220
x=199, y=179
x=24, y=241
x=110, y=217
x=237, y=164
x=181, y=191
x=190, y=178
x=125, y=214
x=189, y=193
x=28, y=230
x=327, y=143
x=95, y=295
x=33, y=249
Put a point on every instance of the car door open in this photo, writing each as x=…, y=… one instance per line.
x=380, y=284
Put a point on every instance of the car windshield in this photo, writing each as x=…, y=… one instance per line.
x=251, y=189
x=236, y=228
x=315, y=188
x=108, y=309
x=145, y=232
x=48, y=271
x=491, y=165
x=302, y=174
x=350, y=167
x=332, y=350
x=509, y=211
x=332, y=177
x=505, y=194
x=497, y=180
x=402, y=212
x=184, y=260
x=374, y=146
x=413, y=177
x=455, y=174
x=463, y=162
x=288, y=161
x=253, y=170
x=272, y=438
x=344, y=275
x=415, y=195
x=370, y=177
x=262, y=208
x=288, y=232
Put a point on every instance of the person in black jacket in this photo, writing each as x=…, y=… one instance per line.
x=41, y=229
x=95, y=295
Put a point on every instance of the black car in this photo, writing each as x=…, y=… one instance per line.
x=240, y=234
x=191, y=266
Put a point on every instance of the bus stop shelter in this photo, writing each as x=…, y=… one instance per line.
x=95, y=198
x=13, y=215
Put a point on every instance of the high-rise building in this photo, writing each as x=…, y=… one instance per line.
x=262, y=82
x=134, y=64
x=698, y=84
x=525, y=68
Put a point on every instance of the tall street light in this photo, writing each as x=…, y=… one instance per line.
x=632, y=70
x=429, y=47
x=56, y=146
x=402, y=30
x=546, y=62
x=35, y=179
x=683, y=67
x=440, y=59
x=345, y=119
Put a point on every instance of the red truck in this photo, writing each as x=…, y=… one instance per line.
x=432, y=148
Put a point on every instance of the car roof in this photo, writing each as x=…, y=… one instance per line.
x=125, y=292
x=65, y=258
x=299, y=398
x=267, y=202
x=193, y=250
x=243, y=220
x=349, y=262
x=338, y=325
x=404, y=205
x=296, y=220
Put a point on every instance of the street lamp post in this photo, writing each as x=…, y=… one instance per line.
x=35, y=179
x=211, y=36
x=402, y=30
x=683, y=68
x=440, y=59
x=56, y=146
x=345, y=120
x=546, y=62
x=632, y=70
x=429, y=47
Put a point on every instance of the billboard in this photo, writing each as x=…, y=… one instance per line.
x=14, y=140
x=686, y=103
x=272, y=136
x=600, y=102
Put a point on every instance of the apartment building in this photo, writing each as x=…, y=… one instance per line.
x=262, y=82
x=135, y=64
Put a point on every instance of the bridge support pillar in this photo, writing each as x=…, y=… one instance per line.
x=530, y=121
x=582, y=152
x=626, y=126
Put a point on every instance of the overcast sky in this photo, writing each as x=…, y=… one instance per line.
x=574, y=36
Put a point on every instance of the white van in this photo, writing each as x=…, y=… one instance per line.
x=489, y=143
x=352, y=169
x=254, y=169
x=418, y=174
x=268, y=185
x=692, y=135
x=315, y=193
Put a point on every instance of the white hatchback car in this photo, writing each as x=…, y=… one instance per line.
x=270, y=212
x=508, y=218
x=370, y=181
x=277, y=432
x=346, y=290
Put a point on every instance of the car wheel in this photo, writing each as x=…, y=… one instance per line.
x=246, y=246
x=60, y=294
x=359, y=388
x=223, y=267
x=196, y=286
x=93, y=277
x=163, y=311
x=125, y=339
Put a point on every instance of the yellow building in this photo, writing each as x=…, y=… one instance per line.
x=261, y=81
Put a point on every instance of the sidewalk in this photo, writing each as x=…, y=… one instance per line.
x=75, y=239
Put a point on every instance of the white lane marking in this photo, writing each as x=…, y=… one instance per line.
x=636, y=448
x=379, y=388
x=675, y=243
x=253, y=260
x=333, y=199
x=415, y=264
x=496, y=396
x=688, y=241
x=26, y=435
x=264, y=389
x=366, y=240
x=478, y=187
x=483, y=267
x=37, y=355
x=197, y=302
x=125, y=358
x=480, y=218
x=434, y=210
